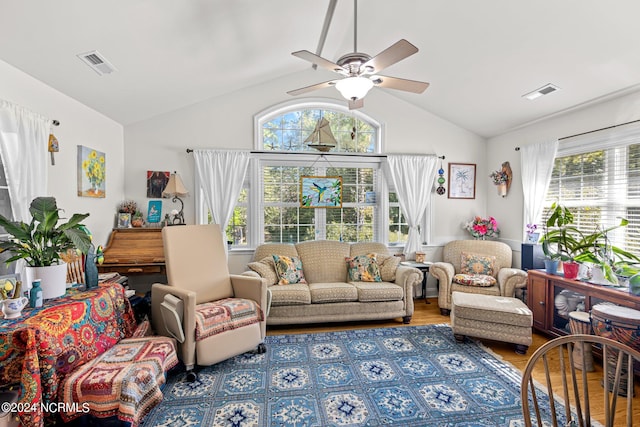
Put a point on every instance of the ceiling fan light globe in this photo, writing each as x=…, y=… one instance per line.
x=353, y=88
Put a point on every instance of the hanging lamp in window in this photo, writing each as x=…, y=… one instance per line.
x=321, y=138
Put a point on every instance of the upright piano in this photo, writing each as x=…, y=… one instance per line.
x=132, y=251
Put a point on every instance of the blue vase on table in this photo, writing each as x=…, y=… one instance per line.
x=91, y=269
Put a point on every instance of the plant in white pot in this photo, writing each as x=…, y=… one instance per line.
x=41, y=241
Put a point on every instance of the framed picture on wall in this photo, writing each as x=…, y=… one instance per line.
x=462, y=180
x=92, y=167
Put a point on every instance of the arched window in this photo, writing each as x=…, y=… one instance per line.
x=285, y=129
x=284, y=162
x=270, y=208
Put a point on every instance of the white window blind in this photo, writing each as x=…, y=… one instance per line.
x=597, y=176
x=285, y=221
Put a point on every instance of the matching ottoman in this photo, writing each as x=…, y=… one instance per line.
x=491, y=317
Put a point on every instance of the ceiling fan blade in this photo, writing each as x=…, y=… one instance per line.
x=306, y=89
x=394, y=53
x=354, y=104
x=400, y=84
x=320, y=61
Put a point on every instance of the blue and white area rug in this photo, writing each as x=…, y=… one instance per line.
x=406, y=376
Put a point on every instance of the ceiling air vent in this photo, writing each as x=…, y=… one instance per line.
x=97, y=62
x=544, y=90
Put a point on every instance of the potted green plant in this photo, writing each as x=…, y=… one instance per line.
x=558, y=241
x=611, y=260
x=573, y=246
x=41, y=241
x=138, y=219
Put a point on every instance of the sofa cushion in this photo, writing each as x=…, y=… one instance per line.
x=363, y=268
x=289, y=269
x=323, y=260
x=388, y=264
x=266, y=269
x=363, y=248
x=383, y=291
x=268, y=249
x=295, y=294
x=324, y=292
x=471, y=263
x=480, y=280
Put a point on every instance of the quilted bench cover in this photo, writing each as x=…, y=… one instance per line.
x=125, y=381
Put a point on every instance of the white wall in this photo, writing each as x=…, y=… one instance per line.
x=80, y=125
x=509, y=210
x=227, y=122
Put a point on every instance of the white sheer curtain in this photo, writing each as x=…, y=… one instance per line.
x=24, y=137
x=221, y=174
x=536, y=163
x=412, y=177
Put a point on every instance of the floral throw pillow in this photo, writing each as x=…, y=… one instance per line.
x=363, y=268
x=477, y=264
x=480, y=280
x=288, y=269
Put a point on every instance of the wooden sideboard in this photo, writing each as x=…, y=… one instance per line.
x=132, y=251
x=552, y=297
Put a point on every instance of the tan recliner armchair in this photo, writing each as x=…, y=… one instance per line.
x=509, y=280
x=219, y=315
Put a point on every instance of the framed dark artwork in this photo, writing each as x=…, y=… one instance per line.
x=154, y=214
x=462, y=180
x=156, y=182
x=92, y=167
x=320, y=191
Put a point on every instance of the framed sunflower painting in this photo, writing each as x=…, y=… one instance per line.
x=92, y=172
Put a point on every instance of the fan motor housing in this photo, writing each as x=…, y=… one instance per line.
x=353, y=61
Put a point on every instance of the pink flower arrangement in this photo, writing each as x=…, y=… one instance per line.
x=483, y=227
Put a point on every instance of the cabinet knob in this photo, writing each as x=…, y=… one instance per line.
x=541, y=302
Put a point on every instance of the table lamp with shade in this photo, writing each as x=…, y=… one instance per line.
x=176, y=189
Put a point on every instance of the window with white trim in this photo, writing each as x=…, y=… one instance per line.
x=269, y=208
x=597, y=176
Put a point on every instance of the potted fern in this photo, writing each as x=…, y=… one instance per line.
x=41, y=241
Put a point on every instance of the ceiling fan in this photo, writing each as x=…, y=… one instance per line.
x=359, y=70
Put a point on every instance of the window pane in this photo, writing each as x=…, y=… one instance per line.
x=600, y=187
x=289, y=130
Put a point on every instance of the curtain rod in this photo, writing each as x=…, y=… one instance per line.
x=592, y=131
x=190, y=150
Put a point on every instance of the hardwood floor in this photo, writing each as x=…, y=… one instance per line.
x=426, y=314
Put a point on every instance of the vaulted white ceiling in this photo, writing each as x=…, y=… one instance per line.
x=479, y=56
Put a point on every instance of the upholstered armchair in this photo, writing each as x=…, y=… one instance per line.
x=474, y=257
x=213, y=314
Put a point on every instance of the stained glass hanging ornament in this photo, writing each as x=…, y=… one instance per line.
x=441, y=190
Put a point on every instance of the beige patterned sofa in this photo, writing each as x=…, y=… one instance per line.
x=509, y=281
x=328, y=296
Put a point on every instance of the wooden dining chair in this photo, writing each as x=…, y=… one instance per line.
x=577, y=389
x=75, y=266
